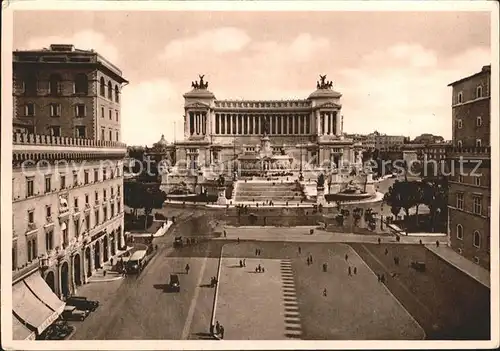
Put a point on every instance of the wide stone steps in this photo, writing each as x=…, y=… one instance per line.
x=267, y=191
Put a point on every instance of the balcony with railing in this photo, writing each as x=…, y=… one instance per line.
x=25, y=270
x=51, y=140
x=478, y=152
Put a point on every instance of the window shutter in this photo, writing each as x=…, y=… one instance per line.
x=85, y=110
x=25, y=110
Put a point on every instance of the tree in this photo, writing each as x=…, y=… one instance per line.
x=401, y=195
x=141, y=195
x=435, y=196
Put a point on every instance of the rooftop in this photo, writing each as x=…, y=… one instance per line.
x=485, y=69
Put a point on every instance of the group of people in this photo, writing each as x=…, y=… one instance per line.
x=213, y=282
x=259, y=269
x=350, y=270
x=243, y=263
x=219, y=330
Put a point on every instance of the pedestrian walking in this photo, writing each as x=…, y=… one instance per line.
x=187, y=268
x=238, y=240
x=355, y=270
x=378, y=277
x=379, y=240
x=308, y=262
x=225, y=234
x=244, y=262
x=346, y=257
x=349, y=271
x=256, y=252
x=311, y=259
x=222, y=332
x=217, y=327
x=324, y=292
x=241, y=264
x=420, y=241
x=437, y=243
x=382, y=278
x=386, y=251
x=300, y=250
x=263, y=270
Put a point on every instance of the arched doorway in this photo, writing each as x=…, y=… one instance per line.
x=112, y=242
x=77, y=270
x=65, y=288
x=105, y=247
x=88, y=261
x=97, y=255
x=51, y=280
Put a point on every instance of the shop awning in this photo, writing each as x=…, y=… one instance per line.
x=30, y=309
x=43, y=291
x=21, y=331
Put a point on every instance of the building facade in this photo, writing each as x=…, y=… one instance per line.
x=67, y=182
x=470, y=190
x=63, y=91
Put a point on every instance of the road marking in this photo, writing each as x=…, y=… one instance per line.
x=192, y=306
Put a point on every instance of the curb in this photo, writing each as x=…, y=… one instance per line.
x=105, y=280
x=214, y=307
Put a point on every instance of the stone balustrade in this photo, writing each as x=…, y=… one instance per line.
x=50, y=140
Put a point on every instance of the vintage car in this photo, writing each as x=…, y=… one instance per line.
x=71, y=313
x=174, y=283
x=82, y=303
x=178, y=241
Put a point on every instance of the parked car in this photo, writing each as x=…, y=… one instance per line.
x=71, y=313
x=82, y=303
x=174, y=283
x=178, y=241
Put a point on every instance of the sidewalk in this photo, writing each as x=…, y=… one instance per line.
x=99, y=277
x=473, y=270
x=163, y=230
x=301, y=234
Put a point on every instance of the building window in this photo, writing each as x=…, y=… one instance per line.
x=55, y=110
x=63, y=181
x=48, y=186
x=97, y=219
x=81, y=84
x=479, y=121
x=479, y=92
x=65, y=235
x=30, y=85
x=110, y=135
x=30, y=190
x=117, y=115
x=478, y=142
x=477, y=181
x=31, y=216
x=459, y=124
x=102, y=87
x=48, y=211
x=460, y=201
x=118, y=208
x=80, y=110
x=112, y=210
x=110, y=90
x=459, y=98
x=76, y=204
x=102, y=112
x=55, y=131
x=86, y=199
x=460, y=232
x=32, y=249
x=86, y=177
x=105, y=213
x=96, y=197
x=96, y=175
x=117, y=136
x=87, y=222
x=77, y=229
x=110, y=115
x=49, y=240
x=118, y=190
x=460, y=178
x=477, y=239
x=112, y=191
x=55, y=84
x=104, y=195
x=102, y=133
x=104, y=174
x=75, y=179
x=459, y=143
x=80, y=132
x=29, y=110
x=476, y=204
x=117, y=94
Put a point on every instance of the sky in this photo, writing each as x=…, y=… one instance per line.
x=392, y=68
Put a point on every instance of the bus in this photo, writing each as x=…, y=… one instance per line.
x=137, y=261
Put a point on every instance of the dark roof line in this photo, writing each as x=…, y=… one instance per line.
x=486, y=68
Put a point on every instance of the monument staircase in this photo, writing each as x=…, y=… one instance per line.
x=263, y=191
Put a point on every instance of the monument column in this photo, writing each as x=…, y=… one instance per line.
x=338, y=123
x=331, y=123
x=186, y=123
x=318, y=123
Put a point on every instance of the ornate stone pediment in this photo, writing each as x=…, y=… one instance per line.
x=329, y=105
x=197, y=104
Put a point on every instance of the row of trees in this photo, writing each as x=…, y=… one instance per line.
x=139, y=195
x=432, y=192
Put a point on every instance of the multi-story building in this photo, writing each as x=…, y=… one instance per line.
x=67, y=186
x=63, y=91
x=470, y=189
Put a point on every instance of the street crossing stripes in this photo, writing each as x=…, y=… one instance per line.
x=293, y=327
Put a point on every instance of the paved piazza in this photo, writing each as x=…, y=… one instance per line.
x=287, y=300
